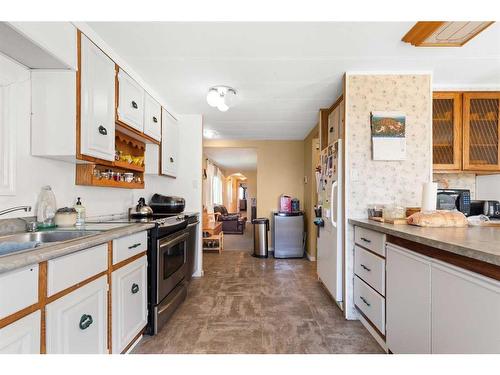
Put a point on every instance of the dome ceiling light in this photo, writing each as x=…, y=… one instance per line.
x=221, y=97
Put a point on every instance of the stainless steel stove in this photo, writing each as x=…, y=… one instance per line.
x=168, y=266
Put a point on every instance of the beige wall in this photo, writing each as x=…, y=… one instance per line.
x=311, y=157
x=386, y=182
x=280, y=169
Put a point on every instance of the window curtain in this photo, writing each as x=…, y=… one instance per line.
x=209, y=203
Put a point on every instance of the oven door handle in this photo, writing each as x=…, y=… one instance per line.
x=174, y=241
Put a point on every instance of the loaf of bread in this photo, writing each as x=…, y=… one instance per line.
x=438, y=219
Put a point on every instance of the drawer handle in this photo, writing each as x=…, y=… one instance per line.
x=134, y=245
x=366, y=268
x=102, y=130
x=135, y=288
x=86, y=321
x=134, y=104
x=155, y=120
x=365, y=239
x=365, y=301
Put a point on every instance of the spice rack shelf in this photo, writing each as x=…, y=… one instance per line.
x=130, y=160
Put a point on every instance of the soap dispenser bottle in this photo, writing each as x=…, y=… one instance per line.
x=46, y=209
x=80, y=212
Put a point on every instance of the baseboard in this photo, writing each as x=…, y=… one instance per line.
x=134, y=344
x=374, y=333
x=310, y=258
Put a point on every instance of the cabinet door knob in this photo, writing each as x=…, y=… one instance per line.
x=102, y=130
x=155, y=120
x=365, y=268
x=134, y=104
x=364, y=300
x=135, y=288
x=85, y=321
x=171, y=159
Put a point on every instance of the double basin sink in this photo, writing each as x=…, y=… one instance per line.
x=25, y=241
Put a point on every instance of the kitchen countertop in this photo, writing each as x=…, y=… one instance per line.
x=476, y=242
x=50, y=251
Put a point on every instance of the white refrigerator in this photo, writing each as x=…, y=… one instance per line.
x=330, y=242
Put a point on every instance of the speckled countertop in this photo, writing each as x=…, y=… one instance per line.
x=481, y=243
x=50, y=251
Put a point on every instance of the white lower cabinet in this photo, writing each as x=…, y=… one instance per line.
x=22, y=336
x=408, y=301
x=129, y=302
x=465, y=312
x=77, y=322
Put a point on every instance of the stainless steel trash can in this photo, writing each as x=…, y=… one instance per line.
x=260, y=241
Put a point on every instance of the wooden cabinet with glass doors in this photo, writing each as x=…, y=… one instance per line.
x=466, y=132
x=481, y=131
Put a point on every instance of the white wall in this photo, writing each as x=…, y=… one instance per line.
x=488, y=187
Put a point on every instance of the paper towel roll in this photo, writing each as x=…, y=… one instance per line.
x=429, y=196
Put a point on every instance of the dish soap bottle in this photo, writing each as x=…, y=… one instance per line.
x=46, y=209
x=80, y=212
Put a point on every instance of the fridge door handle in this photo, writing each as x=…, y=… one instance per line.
x=333, y=210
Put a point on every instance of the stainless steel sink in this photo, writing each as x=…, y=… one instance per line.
x=48, y=236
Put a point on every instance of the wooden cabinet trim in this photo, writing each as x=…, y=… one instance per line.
x=473, y=265
x=457, y=130
x=127, y=261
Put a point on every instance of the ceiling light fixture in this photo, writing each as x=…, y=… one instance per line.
x=209, y=133
x=221, y=97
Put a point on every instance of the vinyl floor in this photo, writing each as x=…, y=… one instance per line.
x=249, y=305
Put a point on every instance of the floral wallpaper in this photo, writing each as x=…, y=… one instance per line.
x=384, y=182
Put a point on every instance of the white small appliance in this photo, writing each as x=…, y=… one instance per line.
x=330, y=242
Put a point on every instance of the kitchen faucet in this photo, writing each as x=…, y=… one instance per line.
x=31, y=226
x=18, y=208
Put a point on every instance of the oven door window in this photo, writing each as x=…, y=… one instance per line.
x=173, y=258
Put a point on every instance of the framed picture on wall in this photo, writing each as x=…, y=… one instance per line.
x=388, y=131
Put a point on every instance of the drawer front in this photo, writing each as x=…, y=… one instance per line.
x=129, y=302
x=71, y=269
x=22, y=336
x=370, y=268
x=18, y=289
x=370, y=303
x=126, y=247
x=77, y=322
x=130, y=102
x=152, y=117
x=374, y=241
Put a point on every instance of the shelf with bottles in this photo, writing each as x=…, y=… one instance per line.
x=104, y=176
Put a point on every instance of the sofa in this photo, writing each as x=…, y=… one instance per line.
x=232, y=223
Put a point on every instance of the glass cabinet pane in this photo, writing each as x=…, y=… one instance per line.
x=443, y=131
x=483, y=131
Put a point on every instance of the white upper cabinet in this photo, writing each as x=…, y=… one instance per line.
x=465, y=312
x=152, y=117
x=408, y=302
x=39, y=45
x=169, y=144
x=130, y=102
x=97, y=129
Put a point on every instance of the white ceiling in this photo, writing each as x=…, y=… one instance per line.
x=284, y=72
x=232, y=158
